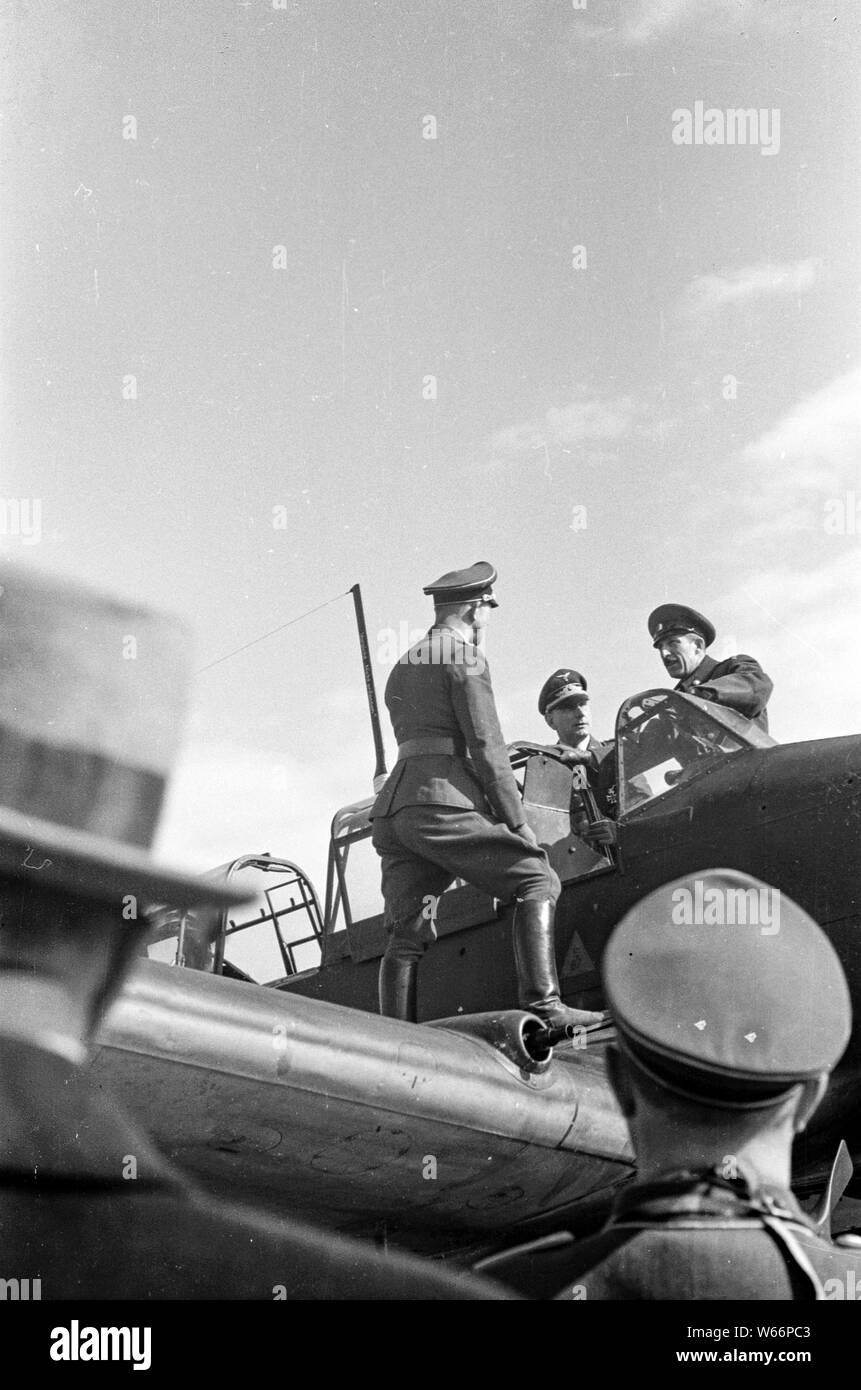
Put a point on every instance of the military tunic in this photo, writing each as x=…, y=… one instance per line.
x=601, y=773
x=451, y=814
x=600, y=780
x=739, y=682
x=689, y=1237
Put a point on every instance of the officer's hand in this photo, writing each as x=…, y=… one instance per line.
x=574, y=757
x=527, y=833
x=601, y=832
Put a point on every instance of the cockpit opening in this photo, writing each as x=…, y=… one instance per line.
x=276, y=935
x=665, y=739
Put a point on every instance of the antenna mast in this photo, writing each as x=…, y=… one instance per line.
x=380, y=769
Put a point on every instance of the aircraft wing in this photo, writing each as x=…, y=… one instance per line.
x=364, y=1124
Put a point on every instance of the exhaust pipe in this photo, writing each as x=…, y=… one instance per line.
x=520, y=1037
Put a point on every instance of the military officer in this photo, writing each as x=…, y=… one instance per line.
x=724, y=1050
x=681, y=636
x=451, y=807
x=564, y=702
x=87, y=1205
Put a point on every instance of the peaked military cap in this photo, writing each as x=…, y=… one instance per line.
x=471, y=585
x=564, y=684
x=726, y=991
x=668, y=618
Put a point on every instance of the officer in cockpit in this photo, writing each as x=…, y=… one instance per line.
x=565, y=704
x=681, y=637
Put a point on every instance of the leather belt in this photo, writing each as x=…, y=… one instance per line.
x=415, y=747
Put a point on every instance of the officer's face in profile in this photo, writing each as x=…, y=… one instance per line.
x=572, y=721
x=681, y=654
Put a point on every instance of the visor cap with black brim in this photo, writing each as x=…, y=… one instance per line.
x=563, y=685
x=93, y=691
x=473, y=585
x=731, y=1014
x=676, y=618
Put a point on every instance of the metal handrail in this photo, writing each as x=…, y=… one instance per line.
x=310, y=903
x=351, y=824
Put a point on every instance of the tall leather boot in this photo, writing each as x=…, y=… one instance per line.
x=398, y=984
x=535, y=958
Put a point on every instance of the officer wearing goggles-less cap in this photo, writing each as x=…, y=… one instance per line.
x=731, y=1009
x=452, y=809
x=564, y=702
x=681, y=636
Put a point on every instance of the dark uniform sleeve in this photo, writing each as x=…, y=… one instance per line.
x=742, y=686
x=475, y=709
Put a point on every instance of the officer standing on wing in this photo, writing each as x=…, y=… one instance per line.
x=681, y=636
x=451, y=807
x=727, y=1034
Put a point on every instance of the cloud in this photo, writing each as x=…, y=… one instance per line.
x=792, y=493
x=590, y=420
x=710, y=293
x=657, y=16
x=795, y=623
x=816, y=445
x=226, y=800
x=583, y=421
x=649, y=21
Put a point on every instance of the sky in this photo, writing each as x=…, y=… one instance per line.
x=309, y=293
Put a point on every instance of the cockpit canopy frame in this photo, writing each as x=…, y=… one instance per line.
x=666, y=738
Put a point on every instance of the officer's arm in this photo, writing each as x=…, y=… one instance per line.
x=475, y=710
x=745, y=688
x=574, y=757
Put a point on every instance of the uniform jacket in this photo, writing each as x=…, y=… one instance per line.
x=739, y=683
x=441, y=688
x=599, y=752
x=684, y=1238
x=88, y=1207
x=602, y=775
